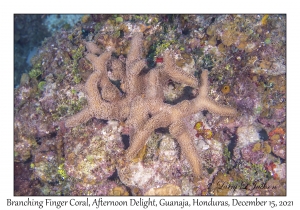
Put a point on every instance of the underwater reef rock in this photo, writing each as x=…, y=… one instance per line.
x=168, y=189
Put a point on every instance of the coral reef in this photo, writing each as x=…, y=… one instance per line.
x=140, y=102
x=154, y=105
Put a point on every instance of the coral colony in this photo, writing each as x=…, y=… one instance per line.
x=154, y=105
x=143, y=98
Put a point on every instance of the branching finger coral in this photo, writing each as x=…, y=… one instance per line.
x=141, y=105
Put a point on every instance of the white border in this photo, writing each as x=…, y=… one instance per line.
x=153, y=6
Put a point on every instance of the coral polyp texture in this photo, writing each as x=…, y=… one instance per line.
x=155, y=105
x=143, y=98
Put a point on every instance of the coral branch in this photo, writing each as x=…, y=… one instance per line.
x=79, y=118
x=186, y=143
x=176, y=73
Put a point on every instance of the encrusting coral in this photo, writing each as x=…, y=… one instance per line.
x=140, y=104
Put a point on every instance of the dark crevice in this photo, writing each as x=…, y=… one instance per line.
x=204, y=112
x=232, y=144
x=129, y=190
x=161, y=130
x=38, y=140
x=186, y=95
x=263, y=135
x=53, y=134
x=125, y=140
x=114, y=176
